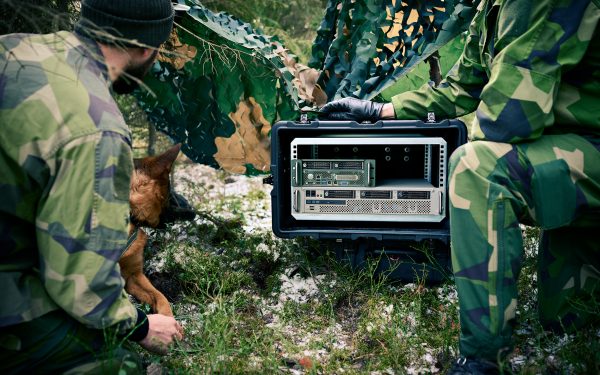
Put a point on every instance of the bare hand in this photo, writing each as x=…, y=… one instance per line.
x=162, y=332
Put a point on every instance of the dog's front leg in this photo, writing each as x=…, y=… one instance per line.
x=136, y=283
x=140, y=287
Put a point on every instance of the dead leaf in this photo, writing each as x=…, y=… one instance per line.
x=306, y=362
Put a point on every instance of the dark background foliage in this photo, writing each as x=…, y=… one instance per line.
x=295, y=21
x=37, y=16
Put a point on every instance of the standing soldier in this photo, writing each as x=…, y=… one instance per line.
x=65, y=166
x=530, y=70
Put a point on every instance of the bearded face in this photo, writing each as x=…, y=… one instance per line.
x=128, y=79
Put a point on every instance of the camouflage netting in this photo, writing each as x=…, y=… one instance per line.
x=221, y=87
x=366, y=48
x=223, y=84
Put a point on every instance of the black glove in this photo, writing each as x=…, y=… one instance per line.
x=351, y=109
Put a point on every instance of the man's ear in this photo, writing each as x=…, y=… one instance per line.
x=146, y=52
x=140, y=53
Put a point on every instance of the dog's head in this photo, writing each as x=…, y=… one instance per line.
x=150, y=188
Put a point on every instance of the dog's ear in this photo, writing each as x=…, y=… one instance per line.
x=161, y=164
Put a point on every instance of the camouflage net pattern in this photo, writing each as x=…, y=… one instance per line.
x=366, y=48
x=220, y=85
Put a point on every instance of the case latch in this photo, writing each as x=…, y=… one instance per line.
x=430, y=117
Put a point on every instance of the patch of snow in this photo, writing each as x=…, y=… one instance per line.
x=426, y=363
x=266, y=249
x=299, y=289
x=204, y=185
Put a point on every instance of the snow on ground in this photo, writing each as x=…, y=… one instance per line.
x=211, y=189
x=201, y=184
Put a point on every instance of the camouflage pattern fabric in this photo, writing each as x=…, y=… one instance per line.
x=366, y=48
x=538, y=72
x=65, y=204
x=56, y=343
x=222, y=83
x=219, y=88
x=530, y=72
x=552, y=182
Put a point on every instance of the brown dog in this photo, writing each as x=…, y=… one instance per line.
x=148, y=199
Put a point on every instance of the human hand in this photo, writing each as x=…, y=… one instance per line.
x=352, y=109
x=162, y=332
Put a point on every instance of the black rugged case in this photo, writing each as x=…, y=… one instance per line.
x=285, y=226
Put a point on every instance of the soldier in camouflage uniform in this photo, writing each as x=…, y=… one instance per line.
x=530, y=71
x=65, y=166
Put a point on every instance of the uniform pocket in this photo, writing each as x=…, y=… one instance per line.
x=554, y=194
x=489, y=32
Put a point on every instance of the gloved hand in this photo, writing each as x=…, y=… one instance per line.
x=351, y=109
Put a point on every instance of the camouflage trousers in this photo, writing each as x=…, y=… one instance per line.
x=552, y=183
x=56, y=343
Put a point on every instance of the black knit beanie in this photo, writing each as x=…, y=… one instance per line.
x=149, y=22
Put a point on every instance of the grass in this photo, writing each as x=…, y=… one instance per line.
x=253, y=303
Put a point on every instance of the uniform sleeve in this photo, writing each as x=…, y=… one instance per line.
x=517, y=103
x=532, y=45
x=82, y=225
x=457, y=95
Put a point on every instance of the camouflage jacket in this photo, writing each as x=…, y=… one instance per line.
x=64, y=204
x=528, y=67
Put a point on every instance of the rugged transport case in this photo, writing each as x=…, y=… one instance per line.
x=417, y=153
